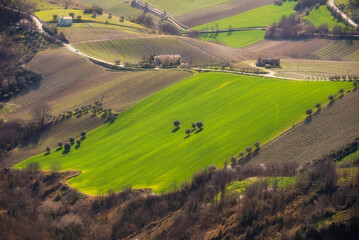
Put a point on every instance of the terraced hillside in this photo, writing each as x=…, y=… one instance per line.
x=333, y=127
x=315, y=69
x=143, y=149
x=343, y=50
x=134, y=50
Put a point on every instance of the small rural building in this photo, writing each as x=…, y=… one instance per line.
x=268, y=62
x=64, y=21
x=170, y=60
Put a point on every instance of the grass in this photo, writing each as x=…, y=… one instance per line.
x=7, y=108
x=258, y=17
x=236, y=39
x=343, y=50
x=178, y=7
x=142, y=148
x=322, y=16
x=134, y=50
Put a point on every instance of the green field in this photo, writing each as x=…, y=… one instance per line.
x=235, y=39
x=322, y=16
x=258, y=17
x=142, y=149
x=134, y=50
x=343, y=50
x=178, y=7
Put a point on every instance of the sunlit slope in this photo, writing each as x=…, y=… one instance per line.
x=141, y=149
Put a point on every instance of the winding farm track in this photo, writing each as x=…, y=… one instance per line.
x=331, y=3
x=333, y=127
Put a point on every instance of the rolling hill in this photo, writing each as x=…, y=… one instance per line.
x=142, y=149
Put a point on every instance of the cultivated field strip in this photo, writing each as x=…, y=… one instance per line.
x=340, y=50
x=316, y=69
x=336, y=125
x=136, y=49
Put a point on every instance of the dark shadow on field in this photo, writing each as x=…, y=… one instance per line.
x=47, y=153
x=199, y=130
x=355, y=89
x=77, y=146
x=83, y=138
x=175, y=130
x=58, y=149
x=331, y=103
x=193, y=130
x=65, y=151
x=308, y=119
x=256, y=152
x=318, y=111
x=187, y=136
x=341, y=96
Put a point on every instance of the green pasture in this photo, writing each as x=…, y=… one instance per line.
x=178, y=7
x=322, y=16
x=142, y=148
x=236, y=39
x=258, y=17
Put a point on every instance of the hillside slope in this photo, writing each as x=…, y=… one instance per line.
x=142, y=148
x=334, y=126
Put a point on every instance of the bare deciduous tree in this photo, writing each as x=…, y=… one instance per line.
x=40, y=112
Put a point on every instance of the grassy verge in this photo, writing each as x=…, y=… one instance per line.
x=322, y=16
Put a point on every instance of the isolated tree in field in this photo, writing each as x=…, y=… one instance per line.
x=249, y=149
x=67, y=147
x=318, y=105
x=309, y=111
x=48, y=149
x=331, y=97
x=72, y=140
x=79, y=17
x=257, y=145
x=40, y=112
x=341, y=91
x=188, y=131
x=72, y=14
x=200, y=124
x=241, y=154
x=177, y=123
x=194, y=125
x=59, y=144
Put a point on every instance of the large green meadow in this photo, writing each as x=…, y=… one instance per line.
x=142, y=148
x=258, y=17
x=322, y=16
x=236, y=39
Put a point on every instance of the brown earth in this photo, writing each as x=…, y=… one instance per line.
x=215, y=13
x=71, y=81
x=327, y=130
x=291, y=49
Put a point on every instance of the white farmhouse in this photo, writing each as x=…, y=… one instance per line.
x=65, y=21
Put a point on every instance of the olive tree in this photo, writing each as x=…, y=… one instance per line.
x=177, y=123
x=331, y=97
x=194, y=125
x=188, y=131
x=67, y=147
x=200, y=124
x=309, y=111
x=318, y=105
x=249, y=149
x=241, y=154
x=341, y=91
x=257, y=144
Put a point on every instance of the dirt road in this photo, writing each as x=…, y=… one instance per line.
x=331, y=3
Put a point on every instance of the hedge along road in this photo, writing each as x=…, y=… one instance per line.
x=142, y=148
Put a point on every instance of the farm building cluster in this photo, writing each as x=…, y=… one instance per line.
x=268, y=62
x=167, y=60
x=64, y=21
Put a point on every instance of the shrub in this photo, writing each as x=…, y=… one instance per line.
x=59, y=144
x=200, y=125
x=318, y=105
x=309, y=111
x=241, y=154
x=48, y=149
x=188, y=131
x=194, y=125
x=341, y=91
x=249, y=149
x=257, y=145
x=67, y=147
x=177, y=123
x=72, y=140
x=331, y=97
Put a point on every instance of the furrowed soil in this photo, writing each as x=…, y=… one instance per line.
x=292, y=49
x=333, y=127
x=212, y=14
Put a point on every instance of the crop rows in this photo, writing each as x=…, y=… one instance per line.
x=135, y=50
x=339, y=50
x=316, y=70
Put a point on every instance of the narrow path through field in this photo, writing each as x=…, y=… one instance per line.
x=270, y=72
x=331, y=3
